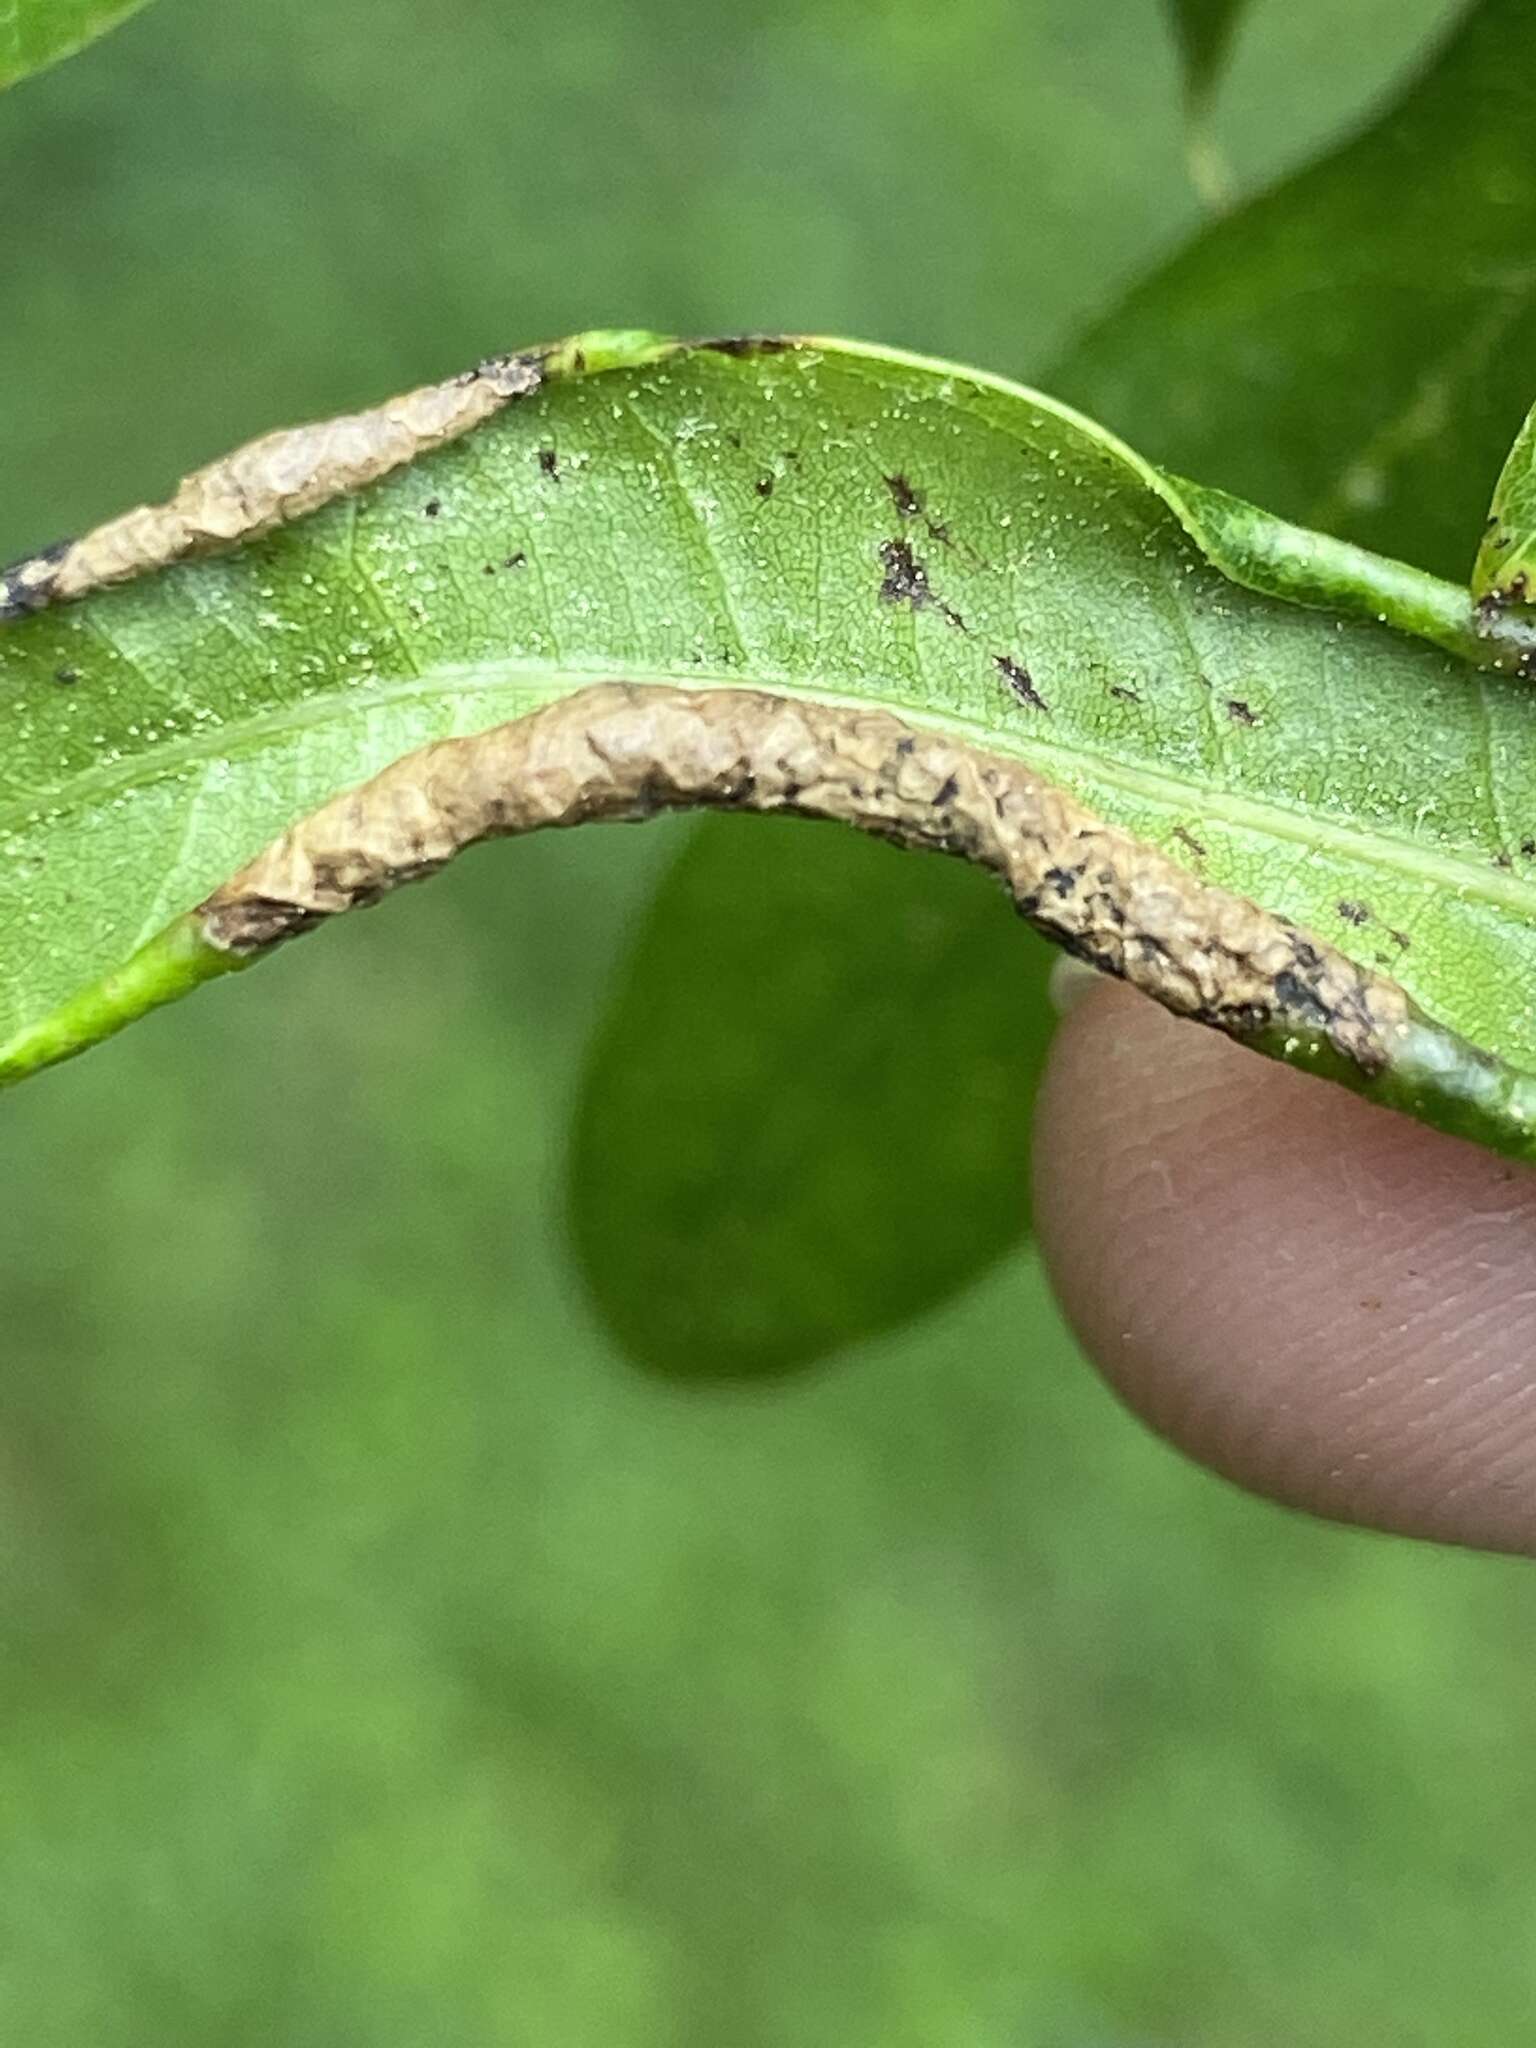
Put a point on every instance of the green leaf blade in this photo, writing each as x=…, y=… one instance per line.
x=845, y=523
x=1506, y=559
x=37, y=33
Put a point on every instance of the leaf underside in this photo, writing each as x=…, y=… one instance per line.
x=813, y=519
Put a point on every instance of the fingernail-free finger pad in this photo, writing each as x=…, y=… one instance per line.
x=1320, y=1299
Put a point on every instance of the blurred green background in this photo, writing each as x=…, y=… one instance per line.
x=382, y=1661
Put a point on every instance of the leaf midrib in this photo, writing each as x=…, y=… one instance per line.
x=1276, y=820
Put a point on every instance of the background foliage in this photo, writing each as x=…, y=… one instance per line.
x=382, y=1660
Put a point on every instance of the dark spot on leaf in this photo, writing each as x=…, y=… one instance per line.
x=1398, y=938
x=1125, y=693
x=764, y=487
x=906, y=582
x=1528, y=848
x=908, y=504
x=66, y=675
x=1244, y=714
x=1019, y=680
x=1503, y=860
x=517, y=561
x=1187, y=838
x=432, y=507
x=549, y=463
x=906, y=578
x=1354, y=913
x=1517, y=589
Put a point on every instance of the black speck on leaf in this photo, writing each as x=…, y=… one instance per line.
x=66, y=675
x=1020, y=681
x=906, y=582
x=549, y=463
x=764, y=487
x=1354, y=913
x=432, y=507
x=1242, y=713
x=908, y=504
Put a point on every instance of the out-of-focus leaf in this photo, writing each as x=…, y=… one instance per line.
x=1506, y=560
x=1204, y=29
x=35, y=33
x=789, y=1142
x=1355, y=349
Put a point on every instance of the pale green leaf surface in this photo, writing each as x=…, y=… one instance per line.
x=34, y=33
x=1506, y=561
x=720, y=518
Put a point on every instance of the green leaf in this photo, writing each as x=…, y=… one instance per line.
x=1354, y=349
x=1268, y=324
x=844, y=526
x=1205, y=29
x=1506, y=560
x=883, y=1101
x=35, y=33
